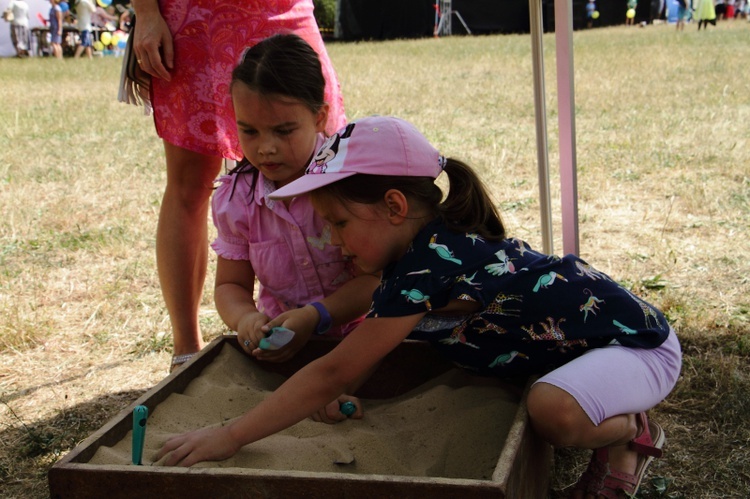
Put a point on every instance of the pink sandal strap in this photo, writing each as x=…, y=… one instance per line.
x=644, y=443
x=602, y=481
x=592, y=479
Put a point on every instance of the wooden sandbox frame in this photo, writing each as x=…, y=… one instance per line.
x=522, y=470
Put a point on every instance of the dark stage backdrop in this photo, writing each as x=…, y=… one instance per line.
x=389, y=19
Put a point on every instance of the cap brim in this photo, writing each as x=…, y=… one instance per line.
x=308, y=183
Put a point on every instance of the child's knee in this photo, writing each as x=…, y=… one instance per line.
x=555, y=414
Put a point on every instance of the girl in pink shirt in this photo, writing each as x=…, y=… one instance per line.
x=278, y=96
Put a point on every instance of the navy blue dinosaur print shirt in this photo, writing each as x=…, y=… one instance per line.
x=536, y=312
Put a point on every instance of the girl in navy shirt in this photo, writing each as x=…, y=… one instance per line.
x=491, y=304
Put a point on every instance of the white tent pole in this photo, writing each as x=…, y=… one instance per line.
x=566, y=121
x=537, y=57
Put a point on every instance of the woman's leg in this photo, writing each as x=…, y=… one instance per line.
x=182, y=241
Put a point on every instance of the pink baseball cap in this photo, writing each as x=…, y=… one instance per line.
x=376, y=145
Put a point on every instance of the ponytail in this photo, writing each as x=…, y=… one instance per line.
x=468, y=206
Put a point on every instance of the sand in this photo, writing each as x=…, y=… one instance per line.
x=453, y=426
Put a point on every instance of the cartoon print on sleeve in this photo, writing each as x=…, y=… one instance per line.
x=504, y=267
x=553, y=331
x=591, y=305
x=469, y=280
x=485, y=326
x=546, y=280
x=474, y=238
x=521, y=246
x=507, y=358
x=648, y=312
x=622, y=327
x=497, y=306
x=458, y=337
x=589, y=271
x=418, y=272
x=442, y=250
x=416, y=296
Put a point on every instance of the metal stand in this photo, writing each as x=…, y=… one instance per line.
x=444, y=26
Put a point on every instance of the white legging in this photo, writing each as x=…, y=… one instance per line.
x=615, y=380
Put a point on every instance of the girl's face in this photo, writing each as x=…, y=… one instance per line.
x=365, y=232
x=277, y=134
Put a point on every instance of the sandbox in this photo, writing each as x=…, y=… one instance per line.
x=429, y=429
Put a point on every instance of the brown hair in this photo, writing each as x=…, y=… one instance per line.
x=283, y=65
x=466, y=208
x=286, y=65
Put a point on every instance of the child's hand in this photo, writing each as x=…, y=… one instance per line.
x=331, y=413
x=302, y=321
x=249, y=332
x=207, y=444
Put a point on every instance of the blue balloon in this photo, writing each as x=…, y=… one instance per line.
x=64, y=6
x=122, y=43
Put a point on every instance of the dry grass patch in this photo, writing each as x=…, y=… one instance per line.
x=662, y=122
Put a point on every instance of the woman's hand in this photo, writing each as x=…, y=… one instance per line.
x=207, y=444
x=331, y=413
x=153, y=45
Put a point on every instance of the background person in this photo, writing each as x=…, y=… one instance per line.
x=84, y=10
x=104, y=18
x=19, y=26
x=56, y=28
x=632, y=5
x=590, y=9
x=190, y=48
x=704, y=13
x=682, y=14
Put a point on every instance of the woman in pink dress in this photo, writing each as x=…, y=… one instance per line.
x=190, y=48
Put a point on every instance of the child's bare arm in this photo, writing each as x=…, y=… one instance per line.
x=351, y=301
x=233, y=295
x=304, y=393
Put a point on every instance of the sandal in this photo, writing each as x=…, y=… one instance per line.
x=600, y=480
x=179, y=360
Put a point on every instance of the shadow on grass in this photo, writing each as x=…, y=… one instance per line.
x=28, y=450
x=705, y=419
x=8, y=398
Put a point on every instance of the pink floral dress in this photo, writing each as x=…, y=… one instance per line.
x=194, y=110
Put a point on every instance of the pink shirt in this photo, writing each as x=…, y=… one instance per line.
x=290, y=249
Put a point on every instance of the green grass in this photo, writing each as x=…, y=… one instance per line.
x=662, y=128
